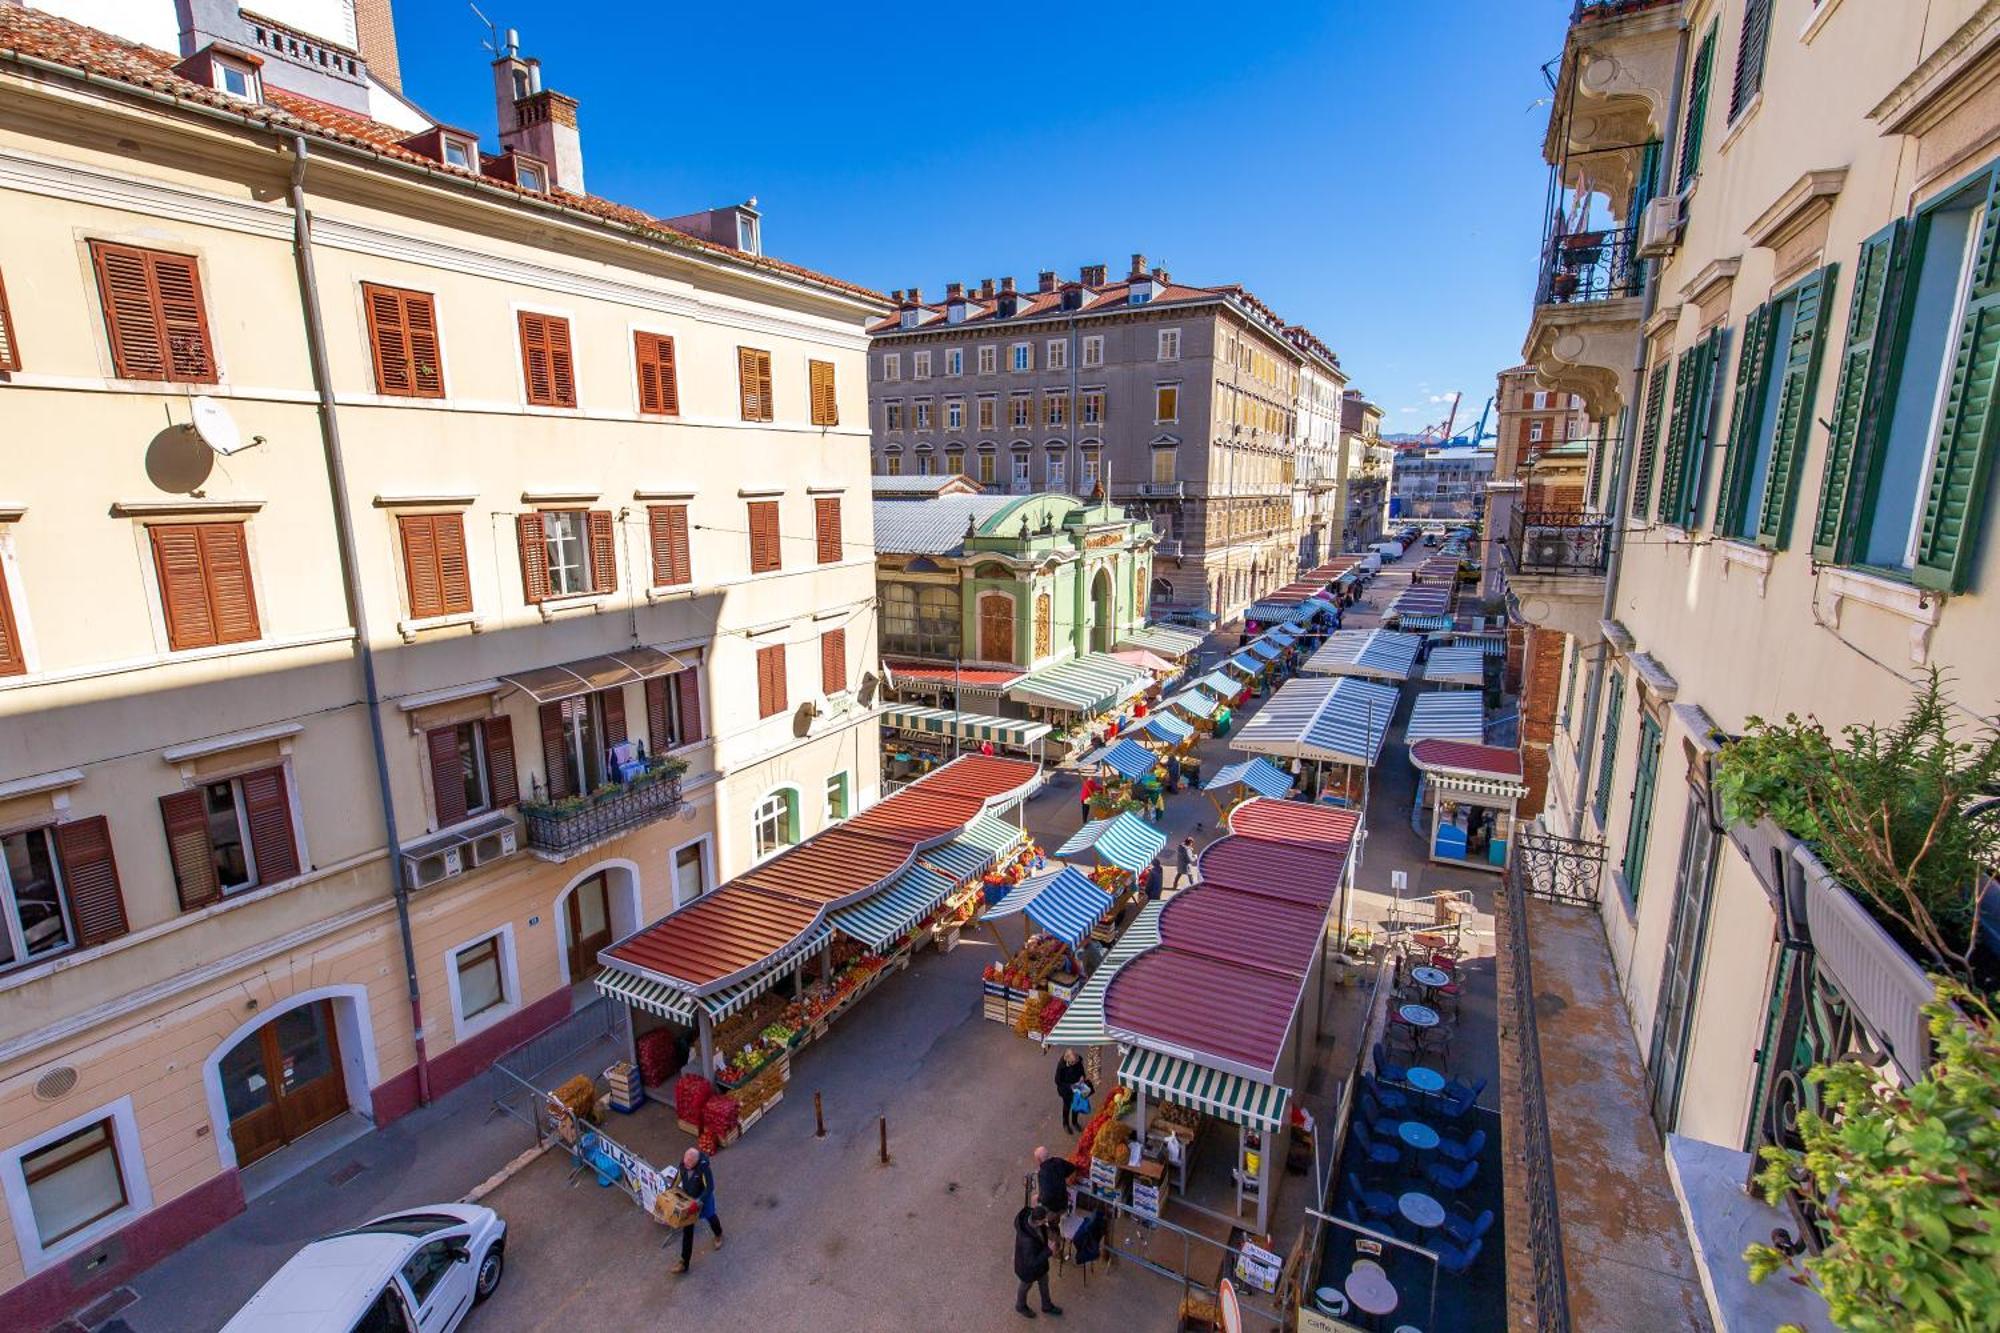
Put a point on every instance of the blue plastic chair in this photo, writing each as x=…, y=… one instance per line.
x=1390, y=1098
x=1468, y=1232
x=1453, y=1150
x=1380, y=1154
x=1455, y=1260
x=1452, y=1178
x=1386, y=1069
x=1376, y=1203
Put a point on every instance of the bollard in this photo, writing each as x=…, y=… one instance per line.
x=819, y=1118
x=883, y=1123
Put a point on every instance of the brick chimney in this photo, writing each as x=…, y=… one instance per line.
x=534, y=120
x=1047, y=280
x=986, y=289
x=375, y=34
x=1160, y=274
x=1138, y=267
x=1091, y=275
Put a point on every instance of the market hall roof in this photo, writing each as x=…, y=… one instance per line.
x=773, y=911
x=1463, y=757
x=1453, y=715
x=936, y=526
x=1338, y=719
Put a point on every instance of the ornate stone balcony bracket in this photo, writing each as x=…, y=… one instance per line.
x=1922, y=607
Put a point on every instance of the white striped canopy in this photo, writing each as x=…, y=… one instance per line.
x=1423, y=622
x=972, y=852
x=1012, y=731
x=1093, y=683
x=1456, y=664
x=1450, y=715
x=1168, y=728
x=1334, y=718
x=1194, y=702
x=1257, y=773
x=1231, y=1097
x=1082, y=1023
x=1493, y=645
x=1380, y=653
x=1221, y=686
x=1458, y=782
x=1249, y=663
x=885, y=914
x=1164, y=639
x=1124, y=840
x=1266, y=648
x=655, y=997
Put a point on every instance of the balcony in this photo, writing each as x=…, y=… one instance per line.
x=1556, y=562
x=1590, y=266
x=1169, y=547
x=558, y=830
x=1614, y=83
x=1588, y=306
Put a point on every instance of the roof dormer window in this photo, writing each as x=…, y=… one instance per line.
x=457, y=152
x=237, y=78
x=530, y=176
x=746, y=233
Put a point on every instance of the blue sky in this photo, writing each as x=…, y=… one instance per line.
x=1368, y=169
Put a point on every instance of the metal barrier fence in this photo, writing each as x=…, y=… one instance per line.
x=523, y=1077
x=1538, y=1156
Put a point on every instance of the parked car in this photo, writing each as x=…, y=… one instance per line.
x=417, y=1271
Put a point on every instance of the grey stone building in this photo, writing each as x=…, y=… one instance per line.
x=1181, y=402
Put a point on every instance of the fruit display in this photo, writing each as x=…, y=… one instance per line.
x=1114, y=1107
x=691, y=1093
x=1037, y=961
x=1173, y=1113
x=720, y=1116
x=778, y=1033
x=1109, y=1143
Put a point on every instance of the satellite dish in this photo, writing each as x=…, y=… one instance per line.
x=213, y=425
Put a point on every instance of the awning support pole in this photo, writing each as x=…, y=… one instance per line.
x=706, y=1024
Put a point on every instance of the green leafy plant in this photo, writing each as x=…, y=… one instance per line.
x=1908, y=1179
x=1885, y=808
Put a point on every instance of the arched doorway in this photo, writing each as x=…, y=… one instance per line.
x=1101, y=627
x=597, y=908
x=283, y=1079
x=996, y=627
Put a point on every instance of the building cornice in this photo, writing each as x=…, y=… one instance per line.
x=1963, y=65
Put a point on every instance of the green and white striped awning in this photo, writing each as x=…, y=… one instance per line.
x=1018, y=733
x=1093, y=683
x=884, y=915
x=1471, y=786
x=655, y=997
x=1163, y=639
x=973, y=852
x=734, y=996
x=1231, y=1097
x=1082, y=1023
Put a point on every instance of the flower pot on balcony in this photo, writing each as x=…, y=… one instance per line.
x=1562, y=286
x=1883, y=983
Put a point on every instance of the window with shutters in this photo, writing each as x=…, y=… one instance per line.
x=436, y=574
x=954, y=461
x=673, y=710
x=826, y=528
x=403, y=336
x=1024, y=356
x=1684, y=455
x=833, y=661
x=1777, y=374
x=1696, y=119
x=954, y=362
x=825, y=403
x=10, y=350
x=153, y=314
x=569, y=552
x=659, y=387
x=1645, y=781
x=1607, y=757
x=1057, y=354
x=13, y=652
x=892, y=415
x=753, y=383
x=230, y=835
x=987, y=465
x=989, y=360
x=548, y=370
x=921, y=418
x=771, y=680
x=989, y=413
x=206, y=595
x=472, y=768
x=1091, y=407
x=1020, y=410
x=1649, y=437
x=667, y=528
x=1910, y=460
x=892, y=464
x=765, y=555
x=37, y=920
x=1751, y=44
x=1055, y=409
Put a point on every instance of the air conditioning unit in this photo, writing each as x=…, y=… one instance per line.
x=493, y=846
x=426, y=870
x=1660, y=226
x=1547, y=550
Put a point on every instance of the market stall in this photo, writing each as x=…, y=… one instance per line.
x=1194, y=703
x=1123, y=841
x=1238, y=782
x=1076, y=695
x=1379, y=654
x=1337, y=721
x=1467, y=801
x=1168, y=730
x=1456, y=666
x=1061, y=908
x=1166, y=640
x=940, y=732
x=1453, y=715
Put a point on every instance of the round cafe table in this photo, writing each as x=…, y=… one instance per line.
x=1419, y=1015
x=1371, y=1290
x=1421, y=1209
x=1430, y=978
x=1424, y=1080
x=1418, y=1135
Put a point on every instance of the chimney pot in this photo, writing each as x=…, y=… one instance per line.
x=1047, y=280
x=1007, y=284
x=1138, y=266
x=954, y=291
x=1092, y=275
x=916, y=296
x=986, y=286
x=1160, y=275
x=897, y=296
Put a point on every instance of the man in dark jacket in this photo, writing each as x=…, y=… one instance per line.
x=698, y=1182
x=1155, y=880
x=1052, y=1181
x=1069, y=1073
x=1184, y=861
x=1031, y=1260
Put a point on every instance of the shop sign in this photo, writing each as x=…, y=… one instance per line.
x=1146, y=1200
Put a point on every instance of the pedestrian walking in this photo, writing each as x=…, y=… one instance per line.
x=1032, y=1247
x=1052, y=1182
x=1173, y=772
x=1089, y=790
x=1156, y=880
x=1069, y=1073
x=1184, y=861
x=698, y=1182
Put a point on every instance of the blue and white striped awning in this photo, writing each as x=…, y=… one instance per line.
x=1063, y=902
x=1247, y=662
x=1124, y=840
x=1379, y=653
x=1265, y=612
x=1286, y=635
x=1082, y=1023
x=884, y=915
x=973, y=852
x=1011, y=731
x=1129, y=759
x=1338, y=719
x=654, y=997
x=1165, y=639
x=1257, y=773
x=1456, y=664
x=1194, y=702
x=1422, y=622
x=1168, y=728
x=1221, y=686
x=1231, y=1097
x=1263, y=649
x=1447, y=715
x=1093, y=683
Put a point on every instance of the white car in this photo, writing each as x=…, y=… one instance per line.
x=417, y=1271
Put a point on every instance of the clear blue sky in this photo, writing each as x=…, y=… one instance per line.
x=1368, y=169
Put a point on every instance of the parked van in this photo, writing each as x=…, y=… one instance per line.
x=419, y=1271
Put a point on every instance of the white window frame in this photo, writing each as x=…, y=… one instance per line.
x=532, y=177
x=1089, y=469
x=892, y=367
x=989, y=359
x=704, y=859
x=1023, y=358
x=892, y=414
x=846, y=784
x=131, y=1169
x=1169, y=345
x=1093, y=350
x=253, y=83
x=920, y=364
x=757, y=816
x=510, y=982
x=920, y=414
x=954, y=361
x=1020, y=472
x=549, y=543
x=1056, y=354
x=1057, y=469
x=10, y=911
x=954, y=414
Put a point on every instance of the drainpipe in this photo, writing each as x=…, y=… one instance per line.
x=1622, y=479
x=357, y=608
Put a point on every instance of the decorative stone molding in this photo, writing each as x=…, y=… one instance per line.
x=1963, y=64
x=1921, y=607
x=1742, y=555
x=1709, y=290
x=1794, y=227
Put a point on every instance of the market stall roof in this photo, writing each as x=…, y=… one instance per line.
x=1127, y=758
x=1493, y=645
x=967, y=726
x=722, y=1003
x=1247, y=662
x=887, y=914
x=831, y=870
x=1221, y=686
x=1226, y=1016
x=1092, y=683
x=1166, y=727
x=1420, y=599
x=1124, y=840
x=1062, y=902
x=1241, y=1101
x=1082, y=1022
x=1166, y=640
x=1250, y=929
x=1257, y=773
x=1453, y=715
x=1380, y=653
x=1321, y=828
x=972, y=853
x=1500, y=788
x=1456, y=664
x=1273, y=869
x=987, y=679
x=644, y=993
x=1335, y=718
x=1194, y=702
x=1424, y=622
x=1492, y=761
x=1143, y=659
x=1279, y=605
x=627, y=666
x=1262, y=649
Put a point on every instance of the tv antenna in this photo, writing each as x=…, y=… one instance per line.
x=492, y=42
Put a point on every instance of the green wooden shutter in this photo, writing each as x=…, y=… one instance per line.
x=1948, y=534
x=1639, y=831
x=1673, y=459
x=1856, y=400
x=1752, y=40
x=1649, y=440
x=1796, y=392
x=1752, y=366
x=1614, y=703
x=1701, y=426
x=1697, y=108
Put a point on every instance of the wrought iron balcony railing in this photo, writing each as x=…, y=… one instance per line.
x=1585, y=266
x=569, y=825
x=1557, y=542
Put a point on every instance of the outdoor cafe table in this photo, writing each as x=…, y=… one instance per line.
x=1430, y=978
x=1421, y=1018
x=1424, y=1080
x=1421, y=1209
x=1418, y=1135
x=1371, y=1289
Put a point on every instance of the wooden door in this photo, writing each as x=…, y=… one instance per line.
x=283, y=1081
x=588, y=910
x=996, y=628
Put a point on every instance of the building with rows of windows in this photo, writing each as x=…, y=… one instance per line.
x=415, y=574
x=1772, y=271
x=1197, y=407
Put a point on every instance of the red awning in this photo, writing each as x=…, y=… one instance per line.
x=1465, y=757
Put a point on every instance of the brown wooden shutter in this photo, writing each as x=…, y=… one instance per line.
x=503, y=784
x=659, y=388
x=668, y=526
x=454, y=569
x=547, y=368
x=153, y=314
x=753, y=383
x=225, y=559
x=614, y=715
x=269, y=816
x=13, y=657
x=833, y=661
x=10, y=351
x=90, y=878
x=689, y=684
x=825, y=404
x=534, y=557
x=764, y=544
x=188, y=847
x=183, y=319
x=420, y=566
x=658, y=739
x=183, y=585
x=426, y=359
x=562, y=368
x=447, y=778
x=603, y=552
x=402, y=330
x=554, y=771
x=771, y=680
x=826, y=527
